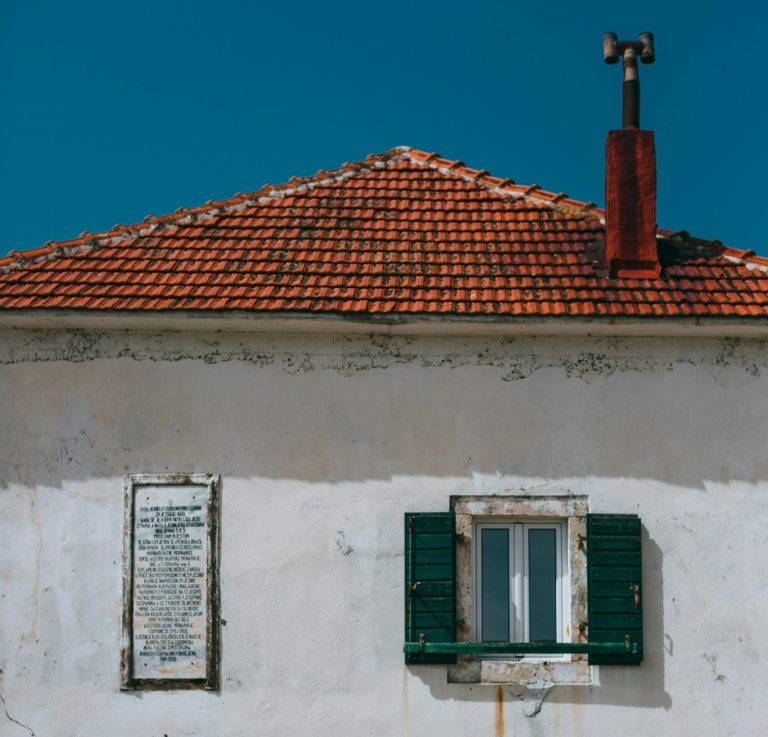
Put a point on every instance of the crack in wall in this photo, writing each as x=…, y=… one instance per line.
x=15, y=721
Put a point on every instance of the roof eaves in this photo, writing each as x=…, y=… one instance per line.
x=418, y=323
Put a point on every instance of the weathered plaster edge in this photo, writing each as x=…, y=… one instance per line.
x=515, y=358
x=417, y=325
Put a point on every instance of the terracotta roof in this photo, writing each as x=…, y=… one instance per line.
x=404, y=233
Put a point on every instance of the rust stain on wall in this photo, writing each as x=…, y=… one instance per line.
x=406, y=704
x=499, y=731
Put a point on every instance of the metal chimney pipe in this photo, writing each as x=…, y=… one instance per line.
x=630, y=88
x=628, y=51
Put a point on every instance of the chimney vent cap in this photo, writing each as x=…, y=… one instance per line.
x=611, y=48
x=648, y=52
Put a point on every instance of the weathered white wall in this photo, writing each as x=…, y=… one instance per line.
x=322, y=444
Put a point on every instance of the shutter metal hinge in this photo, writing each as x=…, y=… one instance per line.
x=582, y=627
x=423, y=641
x=460, y=537
x=413, y=587
x=581, y=541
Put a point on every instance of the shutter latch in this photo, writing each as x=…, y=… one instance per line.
x=635, y=589
x=423, y=641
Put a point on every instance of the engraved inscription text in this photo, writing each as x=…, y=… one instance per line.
x=170, y=582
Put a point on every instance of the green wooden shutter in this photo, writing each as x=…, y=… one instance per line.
x=430, y=582
x=615, y=585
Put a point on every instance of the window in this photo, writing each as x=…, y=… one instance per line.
x=520, y=582
x=492, y=582
x=536, y=594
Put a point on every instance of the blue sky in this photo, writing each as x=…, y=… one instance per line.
x=112, y=111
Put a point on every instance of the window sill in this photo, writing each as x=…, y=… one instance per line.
x=530, y=673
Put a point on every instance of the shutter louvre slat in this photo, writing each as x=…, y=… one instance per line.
x=432, y=557
x=618, y=543
x=611, y=606
x=626, y=558
x=430, y=583
x=615, y=573
x=432, y=572
x=608, y=589
x=433, y=604
x=614, y=569
x=432, y=541
x=617, y=621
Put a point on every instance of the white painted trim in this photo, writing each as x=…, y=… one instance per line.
x=519, y=586
x=419, y=325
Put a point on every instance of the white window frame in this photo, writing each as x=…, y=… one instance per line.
x=519, y=587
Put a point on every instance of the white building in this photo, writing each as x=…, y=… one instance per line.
x=401, y=335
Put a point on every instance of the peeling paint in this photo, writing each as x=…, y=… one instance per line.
x=712, y=660
x=341, y=543
x=516, y=358
x=533, y=711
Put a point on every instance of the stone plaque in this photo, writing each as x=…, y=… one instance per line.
x=171, y=595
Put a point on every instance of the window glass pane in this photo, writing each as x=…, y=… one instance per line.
x=495, y=585
x=542, y=585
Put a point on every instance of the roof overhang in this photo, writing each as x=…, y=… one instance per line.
x=416, y=325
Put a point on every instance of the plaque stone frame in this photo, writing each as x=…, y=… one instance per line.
x=209, y=679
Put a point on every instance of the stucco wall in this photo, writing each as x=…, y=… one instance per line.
x=322, y=444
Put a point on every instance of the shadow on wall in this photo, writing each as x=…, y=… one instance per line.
x=639, y=686
x=337, y=410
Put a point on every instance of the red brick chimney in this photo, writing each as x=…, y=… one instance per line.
x=630, y=176
x=630, y=205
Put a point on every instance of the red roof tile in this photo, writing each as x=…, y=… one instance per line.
x=404, y=232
